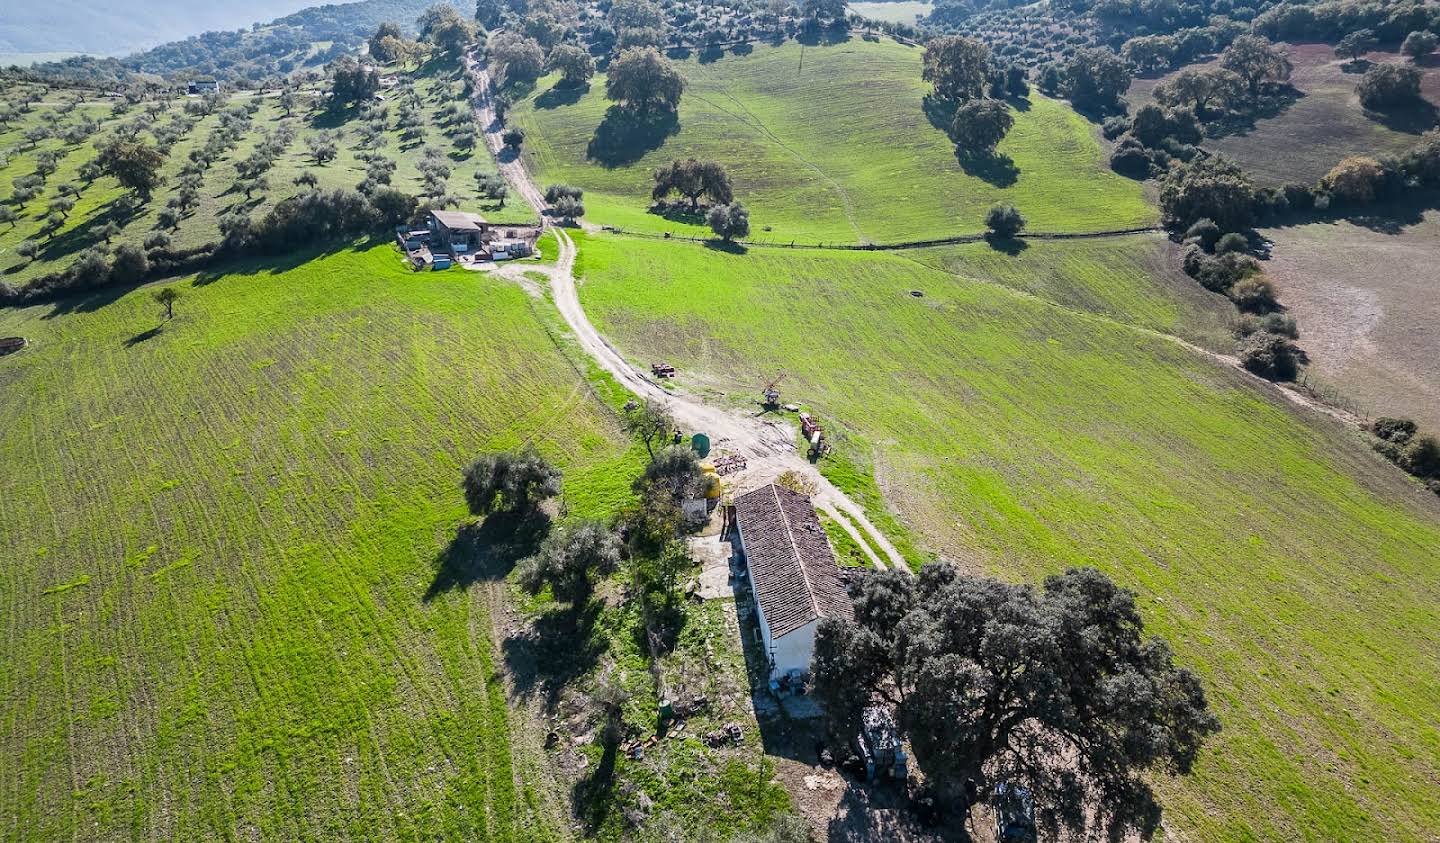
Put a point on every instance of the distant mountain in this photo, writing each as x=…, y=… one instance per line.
x=118, y=27
x=308, y=38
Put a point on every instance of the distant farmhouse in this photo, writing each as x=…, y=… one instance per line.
x=792, y=571
x=203, y=85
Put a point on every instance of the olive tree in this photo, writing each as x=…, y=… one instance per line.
x=570, y=560
x=510, y=481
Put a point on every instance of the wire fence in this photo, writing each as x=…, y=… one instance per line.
x=888, y=247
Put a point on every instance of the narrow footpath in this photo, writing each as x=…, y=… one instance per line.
x=768, y=444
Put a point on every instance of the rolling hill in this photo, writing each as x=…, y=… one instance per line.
x=829, y=144
x=1019, y=433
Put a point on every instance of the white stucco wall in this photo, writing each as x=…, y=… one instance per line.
x=794, y=649
x=791, y=651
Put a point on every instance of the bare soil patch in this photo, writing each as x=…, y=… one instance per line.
x=1367, y=301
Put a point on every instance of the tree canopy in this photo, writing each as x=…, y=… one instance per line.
x=574, y=65
x=1256, y=61
x=510, y=481
x=1389, y=86
x=980, y=124
x=643, y=80
x=1095, y=77
x=570, y=559
x=134, y=164
x=1056, y=690
x=957, y=66
x=693, y=179
x=729, y=221
x=442, y=26
x=1210, y=188
x=521, y=59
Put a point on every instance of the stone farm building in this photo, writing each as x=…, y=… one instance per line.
x=457, y=231
x=792, y=572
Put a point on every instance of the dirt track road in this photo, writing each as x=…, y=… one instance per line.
x=767, y=444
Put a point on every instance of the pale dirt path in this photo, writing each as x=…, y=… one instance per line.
x=768, y=445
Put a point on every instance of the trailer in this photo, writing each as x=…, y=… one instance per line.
x=662, y=370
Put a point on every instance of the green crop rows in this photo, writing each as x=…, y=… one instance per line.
x=219, y=538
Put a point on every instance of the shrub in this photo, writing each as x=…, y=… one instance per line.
x=1421, y=457
x=1275, y=323
x=1232, y=242
x=1393, y=430
x=1209, y=188
x=554, y=192
x=567, y=207
x=1418, y=45
x=1205, y=232
x=1130, y=159
x=1218, y=273
x=1355, y=180
x=1114, y=127
x=1270, y=356
x=1004, y=221
x=130, y=264
x=1254, y=295
x=729, y=221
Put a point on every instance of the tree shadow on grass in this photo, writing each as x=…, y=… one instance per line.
x=559, y=647
x=557, y=95
x=1269, y=106
x=1011, y=246
x=729, y=247
x=593, y=796
x=486, y=551
x=624, y=136
x=85, y=302
x=143, y=336
x=939, y=111
x=994, y=168
x=711, y=54
x=1413, y=119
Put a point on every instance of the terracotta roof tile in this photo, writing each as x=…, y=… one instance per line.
x=791, y=564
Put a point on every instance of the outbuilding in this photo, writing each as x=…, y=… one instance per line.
x=792, y=572
x=457, y=232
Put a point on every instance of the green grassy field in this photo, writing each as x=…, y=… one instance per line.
x=839, y=150
x=219, y=536
x=217, y=195
x=1286, y=562
x=892, y=11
